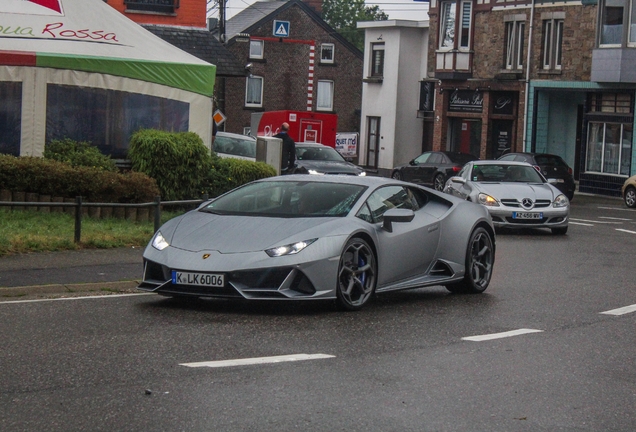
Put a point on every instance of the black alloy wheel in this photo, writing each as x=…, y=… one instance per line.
x=480, y=258
x=396, y=175
x=356, y=275
x=439, y=182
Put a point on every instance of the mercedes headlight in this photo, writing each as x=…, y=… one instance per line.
x=561, y=201
x=487, y=200
x=159, y=242
x=363, y=173
x=311, y=171
x=289, y=249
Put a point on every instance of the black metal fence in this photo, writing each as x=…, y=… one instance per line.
x=156, y=205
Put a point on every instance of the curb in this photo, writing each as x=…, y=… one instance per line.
x=69, y=289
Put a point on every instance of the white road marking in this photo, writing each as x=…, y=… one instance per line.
x=501, y=335
x=76, y=298
x=594, y=221
x=626, y=231
x=620, y=219
x=579, y=223
x=614, y=208
x=257, y=360
x=621, y=311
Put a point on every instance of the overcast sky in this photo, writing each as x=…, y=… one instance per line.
x=395, y=9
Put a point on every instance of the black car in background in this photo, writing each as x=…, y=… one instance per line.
x=432, y=168
x=551, y=166
x=314, y=158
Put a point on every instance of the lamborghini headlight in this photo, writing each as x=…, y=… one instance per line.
x=561, y=201
x=159, y=242
x=289, y=249
x=487, y=200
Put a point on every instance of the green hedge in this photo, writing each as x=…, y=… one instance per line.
x=228, y=173
x=78, y=153
x=185, y=169
x=177, y=161
x=50, y=177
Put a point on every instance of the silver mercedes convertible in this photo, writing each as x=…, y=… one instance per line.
x=301, y=237
x=515, y=193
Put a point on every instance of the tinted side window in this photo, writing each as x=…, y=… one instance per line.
x=422, y=158
x=387, y=198
x=435, y=158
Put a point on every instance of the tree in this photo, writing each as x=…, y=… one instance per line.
x=343, y=15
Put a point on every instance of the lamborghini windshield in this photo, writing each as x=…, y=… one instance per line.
x=288, y=199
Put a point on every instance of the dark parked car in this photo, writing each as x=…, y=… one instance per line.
x=432, y=168
x=313, y=158
x=551, y=166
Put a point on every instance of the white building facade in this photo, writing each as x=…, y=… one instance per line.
x=397, y=99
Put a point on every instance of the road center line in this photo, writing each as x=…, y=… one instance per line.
x=501, y=335
x=614, y=218
x=257, y=360
x=626, y=231
x=579, y=223
x=620, y=311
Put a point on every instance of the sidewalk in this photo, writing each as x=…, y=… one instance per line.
x=44, y=274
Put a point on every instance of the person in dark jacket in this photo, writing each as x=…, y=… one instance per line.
x=288, y=161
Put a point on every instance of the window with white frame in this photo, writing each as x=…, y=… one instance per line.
x=449, y=26
x=254, y=91
x=609, y=148
x=327, y=53
x=466, y=24
x=615, y=16
x=552, y=42
x=324, y=96
x=377, y=59
x=256, y=49
x=448, y=11
x=515, y=30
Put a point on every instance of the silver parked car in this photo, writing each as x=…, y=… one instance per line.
x=515, y=194
x=235, y=146
x=301, y=237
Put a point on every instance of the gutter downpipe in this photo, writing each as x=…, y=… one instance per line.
x=527, y=96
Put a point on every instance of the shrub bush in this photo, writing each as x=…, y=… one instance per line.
x=226, y=174
x=78, y=153
x=179, y=162
x=50, y=177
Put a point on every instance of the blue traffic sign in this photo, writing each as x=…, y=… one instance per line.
x=281, y=28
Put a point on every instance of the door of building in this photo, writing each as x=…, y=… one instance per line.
x=500, y=138
x=465, y=136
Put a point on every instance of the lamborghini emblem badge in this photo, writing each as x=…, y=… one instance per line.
x=206, y=256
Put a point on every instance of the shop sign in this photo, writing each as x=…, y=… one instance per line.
x=503, y=103
x=347, y=144
x=427, y=96
x=466, y=101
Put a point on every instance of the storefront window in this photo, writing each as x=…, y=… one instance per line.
x=609, y=148
x=108, y=118
x=10, y=117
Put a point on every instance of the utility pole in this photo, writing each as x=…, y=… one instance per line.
x=222, y=20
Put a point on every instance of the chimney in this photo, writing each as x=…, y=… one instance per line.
x=315, y=5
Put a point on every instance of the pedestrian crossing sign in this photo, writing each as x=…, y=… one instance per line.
x=281, y=28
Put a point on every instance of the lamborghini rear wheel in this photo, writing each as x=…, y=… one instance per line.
x=356, y=275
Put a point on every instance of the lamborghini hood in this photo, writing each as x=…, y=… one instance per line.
x=199, y=231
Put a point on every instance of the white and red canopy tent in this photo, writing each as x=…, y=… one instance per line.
x=87, y=43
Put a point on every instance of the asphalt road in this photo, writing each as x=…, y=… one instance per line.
x=409, y=361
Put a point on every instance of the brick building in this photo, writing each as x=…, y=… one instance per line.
x=537, y=76
x=303, y=66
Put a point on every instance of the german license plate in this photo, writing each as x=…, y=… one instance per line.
x=526, y=215
x=200, y=279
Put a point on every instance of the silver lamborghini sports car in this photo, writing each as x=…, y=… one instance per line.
x=322, y=237
x=515, y=193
